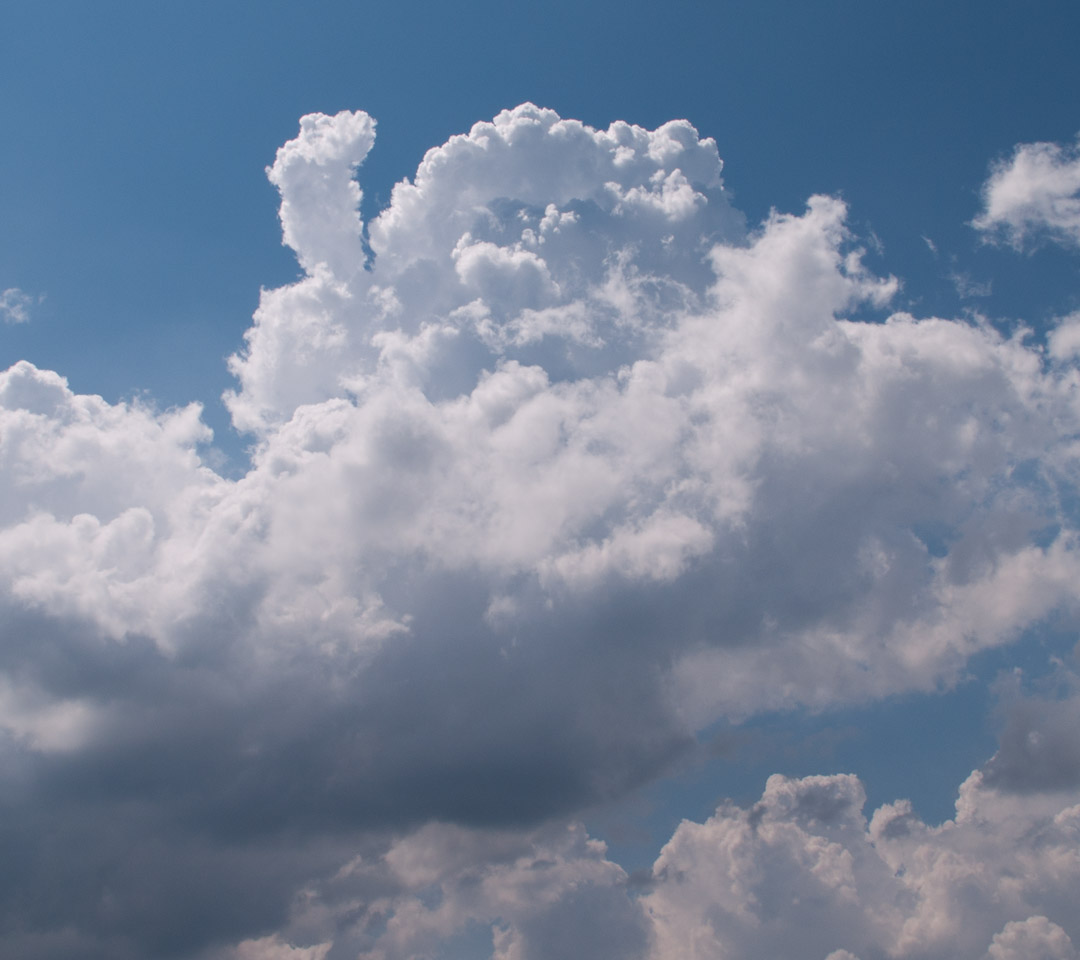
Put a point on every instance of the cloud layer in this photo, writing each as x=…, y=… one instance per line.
x=555, y=463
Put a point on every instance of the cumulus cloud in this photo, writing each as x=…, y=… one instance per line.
x=802, y=874
x=1036, y=192
x=557, y=466
x=1034, y=937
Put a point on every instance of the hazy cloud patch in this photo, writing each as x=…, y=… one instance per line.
x=15, y=305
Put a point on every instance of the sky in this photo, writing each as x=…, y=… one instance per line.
x=518, y=482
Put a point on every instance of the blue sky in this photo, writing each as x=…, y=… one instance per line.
x=370, y=649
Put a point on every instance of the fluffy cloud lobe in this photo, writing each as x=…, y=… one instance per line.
x=554, y=463
x=1036, y=192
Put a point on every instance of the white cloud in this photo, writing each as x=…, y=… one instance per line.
x=1036, y=191
x=801, y=874
x=1034, y=937
x=15, y=305
x=320, y=202
x=274, y=948
x=573, y=467
x=1064, y=339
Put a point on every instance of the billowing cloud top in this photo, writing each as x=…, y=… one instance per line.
x=555, y=465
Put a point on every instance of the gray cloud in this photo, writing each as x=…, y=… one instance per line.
x=1040, y=748
x=801, y=873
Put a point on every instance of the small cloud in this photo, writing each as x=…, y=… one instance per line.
x=15, y=305
x=1064, y=339
x=966, y=287
x=1035, y=193
x=931, y=246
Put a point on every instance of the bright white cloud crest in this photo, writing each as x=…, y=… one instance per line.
x=554, y=467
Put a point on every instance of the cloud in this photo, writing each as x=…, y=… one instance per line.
x=1063, y=340
x=556, y=468
x=1034, y=937
x=803, y=874
x=800, y=874
x=273, y=948
x=15, y=305
x=546, y=895
x=1036, y=192
x=1039, y=749
x=966, y=287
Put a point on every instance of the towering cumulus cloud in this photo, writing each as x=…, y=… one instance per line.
x=554, y=464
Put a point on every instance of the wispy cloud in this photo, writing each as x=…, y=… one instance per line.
x=967, y=288
x=15, y=305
